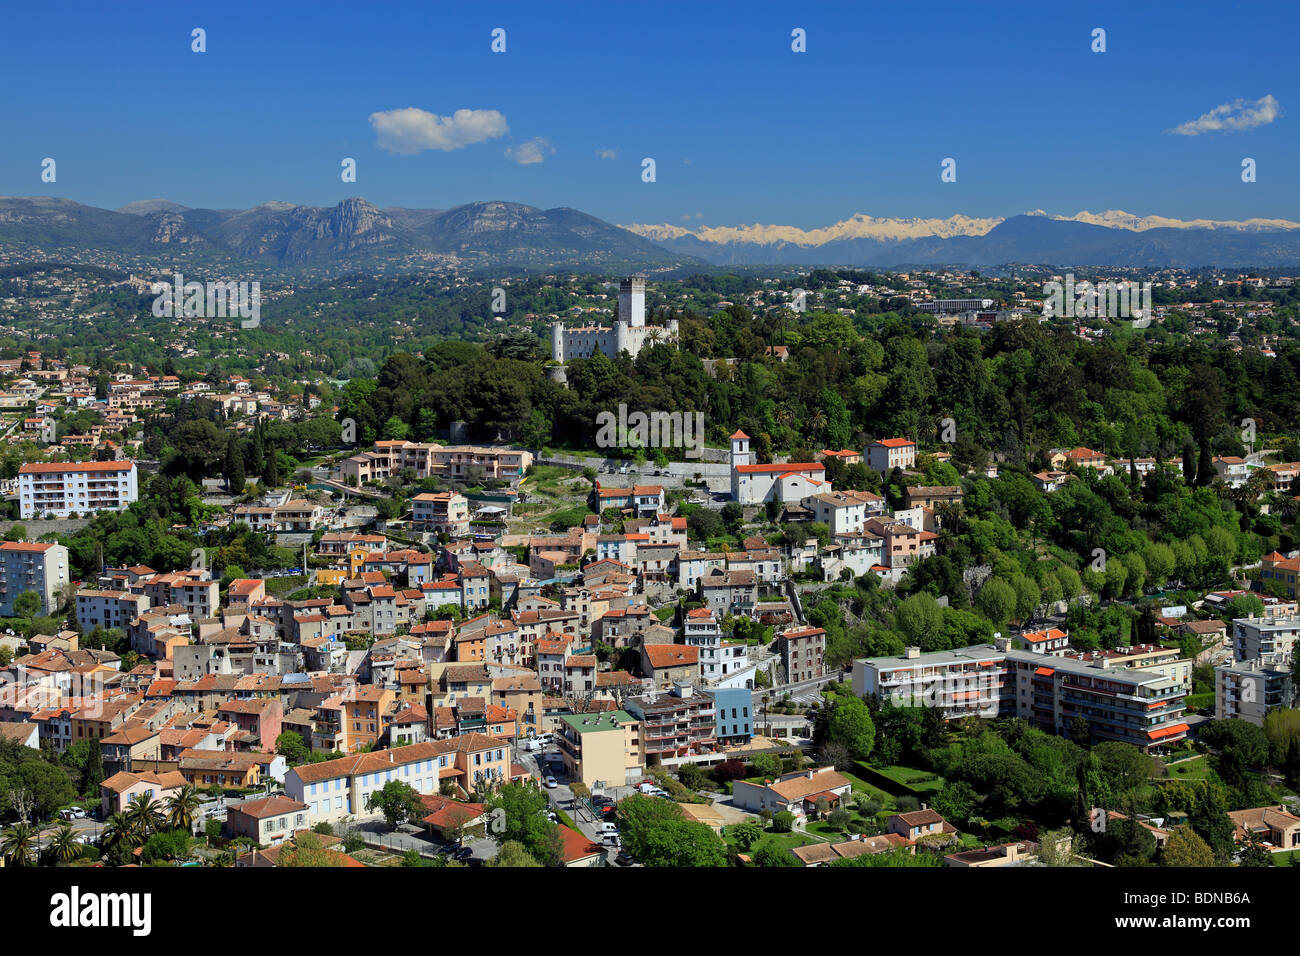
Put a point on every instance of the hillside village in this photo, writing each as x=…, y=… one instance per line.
x=360, y=648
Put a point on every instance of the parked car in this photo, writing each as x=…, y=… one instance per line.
x=607, y=828
x=623, y=858
x=611, y=839
x=550, y=782
x=462, y=853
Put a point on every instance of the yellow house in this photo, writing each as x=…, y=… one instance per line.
x=601, y=748
x=330, y=577
x=356, y=560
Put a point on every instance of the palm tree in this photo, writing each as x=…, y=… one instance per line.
x=64, y=846
x=144, y=815
x=117, y=829
x=181, y=807
x=18, y=844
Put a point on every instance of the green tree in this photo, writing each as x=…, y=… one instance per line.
x=523, y=809
x=27, y=604
x=1185, y=848
x=850, y=724
x=307, y=850
x=398, y=801
x=18, y=845
x=63, y=846
x=181, y=808
x=996, y=601
x=513, y=854
x=920, y=619
x=292, y=748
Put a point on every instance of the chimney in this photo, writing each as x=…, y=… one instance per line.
x=925, y=806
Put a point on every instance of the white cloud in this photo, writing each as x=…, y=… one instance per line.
x=412, y=130
x=608, y=153
x=1237, y=116
x=534, y=150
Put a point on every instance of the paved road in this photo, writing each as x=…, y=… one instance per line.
x=561, y=797
x=801, y=692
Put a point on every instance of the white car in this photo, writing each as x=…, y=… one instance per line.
x=550, y=782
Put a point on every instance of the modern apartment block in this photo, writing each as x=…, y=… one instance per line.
x=735, y=727
x=602, y=749
x=389, y=458
x=30, y=566
x=675, y=727
x=1133, y=700
x=78, y=487
x=1250, y=689
x=1256, y=637
x=1140, y=705
x=951, y=306
x=967, y=682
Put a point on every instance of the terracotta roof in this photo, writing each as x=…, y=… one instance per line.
x=671, y=655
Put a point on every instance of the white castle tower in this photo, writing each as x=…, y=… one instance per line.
x=631, y=301
x=629, y=332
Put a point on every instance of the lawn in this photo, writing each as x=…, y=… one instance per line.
x=918, y=780
x=782, y=841
x=886, y=800
x=1286, y=858
x=1194, y=770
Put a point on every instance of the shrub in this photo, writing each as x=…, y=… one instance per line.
x=783, y=822
x=729, y=770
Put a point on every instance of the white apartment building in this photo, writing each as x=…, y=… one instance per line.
x=1250, y=689
x=1256, y=637
x=77, y=487
x=108, y=609
x=30, y=566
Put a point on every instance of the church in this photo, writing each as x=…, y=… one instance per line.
x=753, y=484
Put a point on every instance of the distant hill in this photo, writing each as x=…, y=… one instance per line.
x=352, y=235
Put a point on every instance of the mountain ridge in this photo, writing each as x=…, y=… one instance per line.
x=352, y=234
x=355, y=235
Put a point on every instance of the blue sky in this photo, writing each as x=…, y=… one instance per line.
x=742, y=129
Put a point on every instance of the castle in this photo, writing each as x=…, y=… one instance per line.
x=629, y=333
